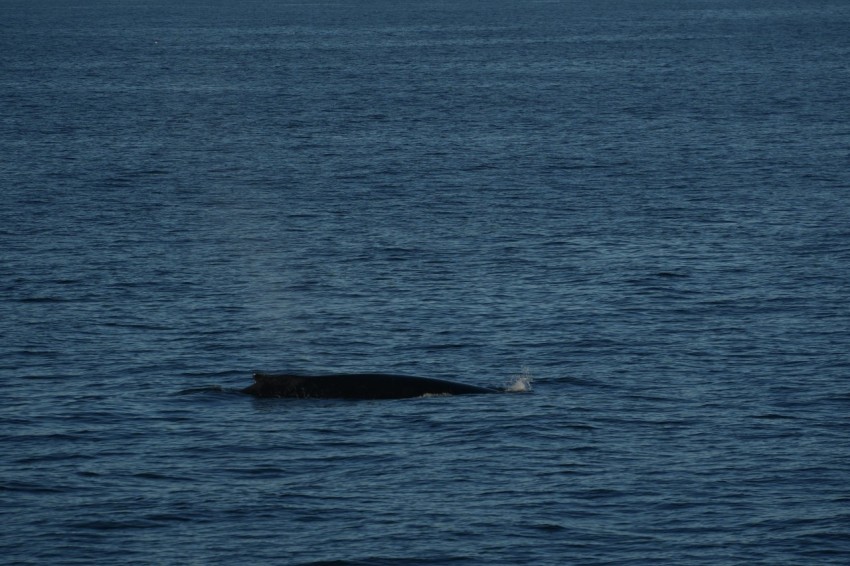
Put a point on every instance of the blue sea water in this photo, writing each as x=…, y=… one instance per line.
x=642, y=204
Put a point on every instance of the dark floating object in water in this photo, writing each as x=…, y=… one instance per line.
x=355, y=386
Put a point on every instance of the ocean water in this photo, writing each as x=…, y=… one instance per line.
x=643, y=205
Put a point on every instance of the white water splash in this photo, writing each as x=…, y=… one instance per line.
x=520, y=383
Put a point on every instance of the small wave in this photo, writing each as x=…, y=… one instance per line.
x=671, y=274
x=380, y=561
x=773, y=416
x=446, y=346
x=31, y=487
x=151, y=476
x=572, y=380
x=42, y=300
x=204, y=389
x=106, y=525
x=549, y=527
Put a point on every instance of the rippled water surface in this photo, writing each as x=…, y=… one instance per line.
x=643, y=205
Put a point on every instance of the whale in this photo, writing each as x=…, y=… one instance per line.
x=355, y=386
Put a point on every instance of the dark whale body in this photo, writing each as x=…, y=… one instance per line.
x=355, y=386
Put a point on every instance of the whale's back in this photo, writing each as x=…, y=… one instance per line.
x=355, y=386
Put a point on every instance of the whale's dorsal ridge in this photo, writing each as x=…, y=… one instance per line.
x=355, y=386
